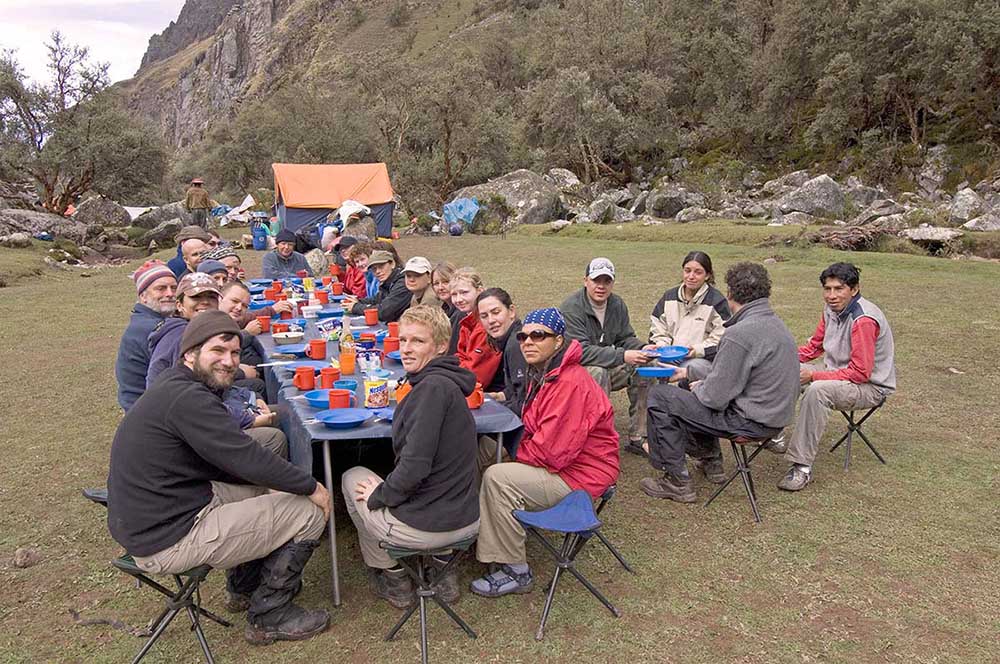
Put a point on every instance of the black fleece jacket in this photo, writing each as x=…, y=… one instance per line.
x=391, y=300
x=175, y=440
x=433, y=486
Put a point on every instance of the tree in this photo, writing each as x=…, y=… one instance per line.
x=69, y=134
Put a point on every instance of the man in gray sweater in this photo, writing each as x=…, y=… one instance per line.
x=751, y=390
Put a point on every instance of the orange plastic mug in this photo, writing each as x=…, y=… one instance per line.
x=323, y=296
x=347, y=363
x=337, y=288
x=328, y=376
x=277, y=286
x=334, y=270
x=342, y=398
x=285, y=315
x=371, y=316
x=475, y=400
x=305, y=378
x=317, y=349
x=393, y=328
x=327, y=280
x=279, y=327
x=265, y=323
x=390, y=344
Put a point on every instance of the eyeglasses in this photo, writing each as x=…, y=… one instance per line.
x=534, y=335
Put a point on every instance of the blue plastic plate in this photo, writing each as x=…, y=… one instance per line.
x=669, y=353
x=384, y=413
x=382, y=373
x=256, y=290
x=295, y=280
x=380, y=335
x=655, y=372
x=292, y=349
x=301, y=322
x=330, y=313
x=318, y=398
x=394, y=355
x=262, y=282
x=344, y=418
x=315, y=364
x=336, y=298
x=260, y=304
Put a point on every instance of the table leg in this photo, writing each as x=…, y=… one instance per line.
x=499, y=446
x=328, y=478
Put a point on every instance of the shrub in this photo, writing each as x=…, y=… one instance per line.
x=399, y=14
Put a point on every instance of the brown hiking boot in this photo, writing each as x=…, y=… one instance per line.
x=670, y=486
x=392, y=585
x=447, y=585
x=712, y=469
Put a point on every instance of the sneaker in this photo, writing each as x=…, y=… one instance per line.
x=503, y=581
x=777, y=445
x=712, y=469
x=795, y=479
x=670, y=486
x=392, y=585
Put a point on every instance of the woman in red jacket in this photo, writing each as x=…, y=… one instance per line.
x=472, y=346
x=569, y=443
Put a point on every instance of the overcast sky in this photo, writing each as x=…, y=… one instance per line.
x=116, y=31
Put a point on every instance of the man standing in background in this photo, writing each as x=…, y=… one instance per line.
x=196, y=202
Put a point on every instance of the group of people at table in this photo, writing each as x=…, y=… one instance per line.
x=198, y=472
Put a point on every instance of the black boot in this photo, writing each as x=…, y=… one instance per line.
x=241, y=581
x=392, y=585
x=447, y=585
x=272, y=616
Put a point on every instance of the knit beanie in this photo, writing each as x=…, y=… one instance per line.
x=206, y=325
x=285, y=235
x=150, y=272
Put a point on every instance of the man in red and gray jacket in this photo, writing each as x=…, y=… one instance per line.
x=859, y=372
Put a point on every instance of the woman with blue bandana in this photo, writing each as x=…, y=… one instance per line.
x=569, y=443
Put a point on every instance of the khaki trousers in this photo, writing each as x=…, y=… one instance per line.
x=242, y=523
x=818, y=399
x=617, y=378
x=487, y=455
x=506, y=487
x=697, y=369
x=380, y=525
x=270, y=439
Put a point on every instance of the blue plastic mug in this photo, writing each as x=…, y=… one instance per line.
x=346, y=384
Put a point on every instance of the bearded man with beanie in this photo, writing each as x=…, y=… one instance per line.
x=284, y=261
x=187, y=487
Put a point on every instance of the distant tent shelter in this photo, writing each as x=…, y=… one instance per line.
x=309, y=192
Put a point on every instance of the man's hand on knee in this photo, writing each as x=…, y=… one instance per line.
x=321, y=499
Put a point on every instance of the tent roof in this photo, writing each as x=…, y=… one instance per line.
x=329, y=185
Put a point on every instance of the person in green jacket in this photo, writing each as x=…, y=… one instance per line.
x=599, y=320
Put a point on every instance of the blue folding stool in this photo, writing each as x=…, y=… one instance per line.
x=573, y=515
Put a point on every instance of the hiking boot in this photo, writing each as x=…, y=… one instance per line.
x=272, y=616
x=636, y=446
x=712, y=469
x=237, y=602
x=447, y=585
x=670, y=486
x=777, y=445
x=503, y=581
x=392, y=585
x=795, y=479
x=241, y=581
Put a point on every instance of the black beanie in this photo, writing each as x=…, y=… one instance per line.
x=206, y=325
x=285, y=235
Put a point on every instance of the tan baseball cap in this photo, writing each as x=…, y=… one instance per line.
x=418, y=265
x=380, y=256
x=196, y=283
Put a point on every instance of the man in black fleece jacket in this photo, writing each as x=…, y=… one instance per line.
x=187, y=487
x=431, y=498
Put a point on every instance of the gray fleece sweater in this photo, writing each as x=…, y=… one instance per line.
x=756, y=370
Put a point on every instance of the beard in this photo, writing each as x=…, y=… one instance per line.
x=218, y=380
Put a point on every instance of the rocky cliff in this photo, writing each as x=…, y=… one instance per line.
x=198, y=19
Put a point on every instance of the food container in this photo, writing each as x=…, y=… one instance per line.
x=285, y=338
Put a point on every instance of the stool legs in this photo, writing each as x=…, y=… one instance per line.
x=852, y=428
x=742, y=460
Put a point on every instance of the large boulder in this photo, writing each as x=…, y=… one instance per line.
x=966, y=205
x=933, y=172
x=880, y=208
x=819, y=197
x=363, y=227
x=860, y=194
x=32, y=223
x=163, y=234
x=785, y=183
x=668, y=199
x=926, y=234
x=604, y=211
x=694, y=213
x=794, y=219
x=157, y=216
x=563, y=178
x=16, y=241
x=988, y=222
x=102, y=211
x=532, y=198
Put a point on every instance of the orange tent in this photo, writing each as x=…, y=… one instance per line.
x=306, y=193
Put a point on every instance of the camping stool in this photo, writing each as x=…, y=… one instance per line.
x=606, y=497
x=186, y=597
x=743, y=461
x=417, y=563
x=854, y=426
x=575, y=517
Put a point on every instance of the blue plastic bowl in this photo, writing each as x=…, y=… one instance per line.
x=669, y=353
x=260, y=304
x=295, y=280
x=318, y=398
x=262, y=282
x=655, y=372
x=301, y=322
x=299, y=350
x=330, y=313
x=394, y=355
x=344, y=418
x=256, y=290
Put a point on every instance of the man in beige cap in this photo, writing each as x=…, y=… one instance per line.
x=392, y=298
x=417, y=275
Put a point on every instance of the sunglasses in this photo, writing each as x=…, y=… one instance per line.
x=534, y=335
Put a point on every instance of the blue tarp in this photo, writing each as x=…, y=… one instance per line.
x=461, y=209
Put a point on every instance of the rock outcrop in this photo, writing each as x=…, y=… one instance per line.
x=32, y=223
x=819, y=197
x=531, y=198
x=102, y=211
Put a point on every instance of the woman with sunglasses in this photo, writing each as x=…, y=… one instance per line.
x=569, y=442
x=469, y=337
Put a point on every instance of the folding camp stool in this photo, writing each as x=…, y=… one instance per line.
x=854, y=426
x=186, y=597
x=606, y=497
x=417, y=563
x=743, y=461
x=575, y=517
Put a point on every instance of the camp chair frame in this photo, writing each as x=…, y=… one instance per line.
x=854, y=427
x=743, y=461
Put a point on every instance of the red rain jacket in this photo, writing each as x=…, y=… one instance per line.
x=474, y=353
x=569, y=427
x=354, y=282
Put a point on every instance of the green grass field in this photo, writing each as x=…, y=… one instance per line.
x=895, y=563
